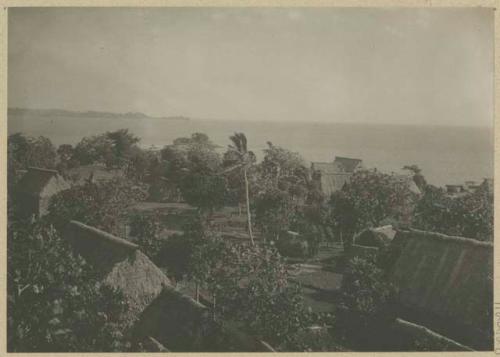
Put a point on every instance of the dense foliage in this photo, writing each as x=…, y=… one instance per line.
x=55, y=303
x=469, y=215
x=25, y=151
x=368, y=199
x=102, y=205
x=367, y=305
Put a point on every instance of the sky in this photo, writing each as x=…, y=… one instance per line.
x=398, y=66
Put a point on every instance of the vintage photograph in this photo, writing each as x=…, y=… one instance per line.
x=255, y=179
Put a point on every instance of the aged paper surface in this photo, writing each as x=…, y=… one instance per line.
x=6, y=5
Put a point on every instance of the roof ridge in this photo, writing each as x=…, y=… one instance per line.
x=445, y=237
x=348, y=158
x=105, y=235
x=34, y=168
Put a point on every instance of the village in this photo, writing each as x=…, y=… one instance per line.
x=207, y=249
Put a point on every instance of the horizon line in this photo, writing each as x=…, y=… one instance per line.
x=492, y=126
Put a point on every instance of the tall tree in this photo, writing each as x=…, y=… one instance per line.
x=244, y=159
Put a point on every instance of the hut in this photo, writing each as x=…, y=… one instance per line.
x=347, y=164
x=95, y=173
x=375, y=237
x=36, y=188
x=409, y=181
x=120, y=264
x=181, y=324
x=454, y=189
x=330, y=176
x=446, y=284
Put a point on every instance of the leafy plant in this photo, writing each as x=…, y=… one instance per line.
x=54, y=302
x=367, y=305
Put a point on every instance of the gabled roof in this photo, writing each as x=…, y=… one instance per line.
x=349, y=164
x=328, y=168
x=333, y=176
x=36, y=179
x=408, y=179
x=96, y=235
x=375, y=237
x=119, y=264
x=447, y=280
x=97, y=173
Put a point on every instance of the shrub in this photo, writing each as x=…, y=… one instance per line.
x=367, y=306
x=54, y=302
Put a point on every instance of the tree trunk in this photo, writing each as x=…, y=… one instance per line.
x=213, y=309
x=197, y=292
x=249, y=215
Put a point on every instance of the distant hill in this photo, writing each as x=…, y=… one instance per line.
x=87, y=114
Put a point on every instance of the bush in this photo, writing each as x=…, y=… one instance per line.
x=54, y=302
x=367, y=307
x=145, y=229
x=292, y=247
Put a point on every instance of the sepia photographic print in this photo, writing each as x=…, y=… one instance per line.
x=250, y=179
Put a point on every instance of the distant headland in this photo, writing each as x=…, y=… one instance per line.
x=86, y=114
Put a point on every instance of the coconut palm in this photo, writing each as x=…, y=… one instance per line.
x=243, y=161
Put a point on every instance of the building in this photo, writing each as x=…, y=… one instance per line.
x=120, y=264
x=375, y=237
x=445, y=283
x=347, y=164
x=36, y=188
x=94, y=173
x=455, y=189
x=330, y=176
x=160, y=317
x=409, y=181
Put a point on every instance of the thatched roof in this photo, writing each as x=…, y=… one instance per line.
x=41, y=182
x=348, y=164
x=332, y=177
x=328, y=168
x=448, y=278
x=180, y=323
x=97, y=173
x=375, y=237
x=408, y=180
x=120, y=264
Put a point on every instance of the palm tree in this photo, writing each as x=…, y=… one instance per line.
x=245, y=159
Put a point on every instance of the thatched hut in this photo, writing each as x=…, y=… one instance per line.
x=181, y=324
x=329, y=176
x=446, y=283
x=348, y=164
x=375, y=237
x=95, y=173
x=120, y=264
x=36, y=188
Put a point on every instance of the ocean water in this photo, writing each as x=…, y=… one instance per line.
x=445, y=154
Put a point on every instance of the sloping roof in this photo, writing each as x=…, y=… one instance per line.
x=332, y=177
x=328, y=168
x=98, y=173
x=184, y=325
x=349, y=164
x=449, y=279
x=408, y=179
x=36, y=179
x=375, y=237
x=120, y=264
